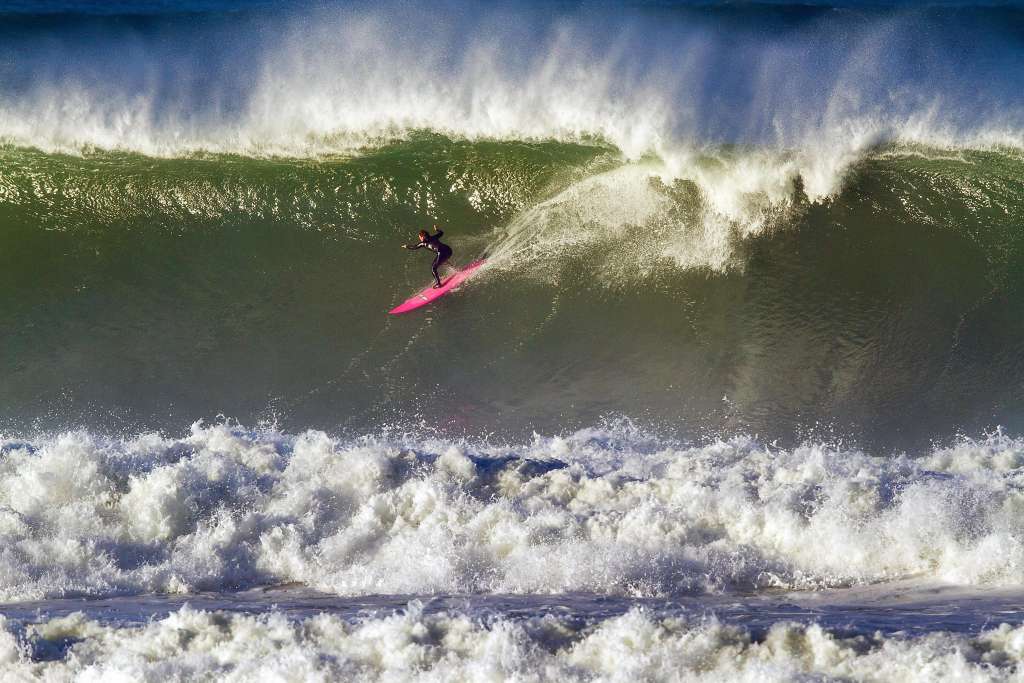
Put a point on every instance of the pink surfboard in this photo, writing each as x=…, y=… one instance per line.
x=430, y=294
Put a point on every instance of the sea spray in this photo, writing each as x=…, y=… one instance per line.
x=306, y=81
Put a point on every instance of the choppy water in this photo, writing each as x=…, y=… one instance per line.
x=740, y=386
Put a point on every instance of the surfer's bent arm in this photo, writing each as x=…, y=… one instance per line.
x=438, y=233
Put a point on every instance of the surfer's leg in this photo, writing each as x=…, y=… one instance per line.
x=439, y=260
x=433, y=269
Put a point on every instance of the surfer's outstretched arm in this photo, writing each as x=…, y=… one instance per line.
x=413, y=247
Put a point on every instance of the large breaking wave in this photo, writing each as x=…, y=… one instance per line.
x=784, y=238
x=886, y=311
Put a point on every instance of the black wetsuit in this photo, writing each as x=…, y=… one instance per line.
x=443, y=252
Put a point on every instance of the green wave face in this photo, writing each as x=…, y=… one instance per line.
x=141, y=292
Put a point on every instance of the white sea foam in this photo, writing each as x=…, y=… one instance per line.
x=194, y=645
x=604, y=511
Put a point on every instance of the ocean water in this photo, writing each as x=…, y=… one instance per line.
x=738, y=395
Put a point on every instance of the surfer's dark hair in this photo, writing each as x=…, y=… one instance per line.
x=424, y=233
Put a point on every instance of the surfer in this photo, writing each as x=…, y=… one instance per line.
x=442, y=252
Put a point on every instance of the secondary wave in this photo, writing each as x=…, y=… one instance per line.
x=416, y=646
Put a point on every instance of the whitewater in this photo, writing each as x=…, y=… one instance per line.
x=606, y=554
x=595, y=511
x=736, y=397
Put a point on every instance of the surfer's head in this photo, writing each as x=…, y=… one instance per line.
x=423, y=235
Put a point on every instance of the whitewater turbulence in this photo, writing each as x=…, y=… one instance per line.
x=610, y=512
x=415, y=646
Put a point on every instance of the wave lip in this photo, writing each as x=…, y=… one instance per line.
x=600, y=511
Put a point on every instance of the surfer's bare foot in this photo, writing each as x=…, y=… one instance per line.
x=437, y=285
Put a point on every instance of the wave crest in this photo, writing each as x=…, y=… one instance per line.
x=310, y=83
